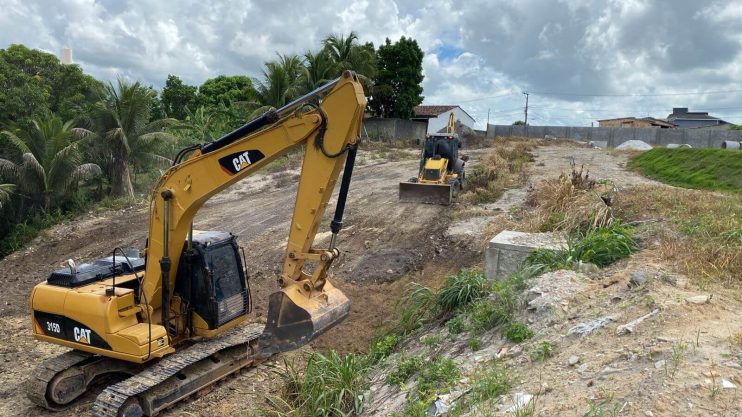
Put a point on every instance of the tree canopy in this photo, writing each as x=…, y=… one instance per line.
x=398, y=88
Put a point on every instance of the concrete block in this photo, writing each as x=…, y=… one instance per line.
x=507, y=251
x=602, y=144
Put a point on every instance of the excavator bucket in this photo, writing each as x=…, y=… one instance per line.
x=294, y=319
x=414, y=192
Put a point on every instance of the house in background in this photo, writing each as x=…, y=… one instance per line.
x=681, y=117
x=644, y=122
x=437, y=117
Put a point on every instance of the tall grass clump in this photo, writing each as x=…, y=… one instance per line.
x=601, y=246
x=330, y=385
x=459, y=290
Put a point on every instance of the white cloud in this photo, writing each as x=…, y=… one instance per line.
x=486, y=48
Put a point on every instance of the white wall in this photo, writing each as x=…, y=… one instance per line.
x=437, y=123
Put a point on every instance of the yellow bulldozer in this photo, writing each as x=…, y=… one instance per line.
x=441, y=174
x=171, y=319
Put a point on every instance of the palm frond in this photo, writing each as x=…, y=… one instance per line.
x=5, y=191
x=9, y=171
x=15, y=141
x=84, y=172
x=158, y=160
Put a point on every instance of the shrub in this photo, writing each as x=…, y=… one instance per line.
x=517, y=332
x=490, y=384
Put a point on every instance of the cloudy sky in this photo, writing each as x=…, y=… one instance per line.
x=580, y=60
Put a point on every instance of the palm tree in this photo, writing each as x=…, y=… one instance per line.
x=50, y=163
x=347, y=54
x=278, y=86
x=125, y=135
x=318, y=69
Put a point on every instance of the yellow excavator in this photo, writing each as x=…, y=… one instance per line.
x=441, y=174
x=169, y=320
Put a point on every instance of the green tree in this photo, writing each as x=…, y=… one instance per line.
x=398, y=88
x=225, y=89
x=49, y=163
x=177, y=97
x=34, y=83
x=519, y=123
x=348, y=54
x=125, y=135
x=318, y=69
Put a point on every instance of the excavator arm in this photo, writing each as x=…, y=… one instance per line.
x=328, y=129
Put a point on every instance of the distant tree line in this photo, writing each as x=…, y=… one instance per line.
x=67, y=139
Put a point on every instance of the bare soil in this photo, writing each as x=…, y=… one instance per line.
x=384, y=245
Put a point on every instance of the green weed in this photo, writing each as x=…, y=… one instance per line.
x=431, y=340
x=455, y=325
x=406, y=367
x=517, y=332
x=543, y=351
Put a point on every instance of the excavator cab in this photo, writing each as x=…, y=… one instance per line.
x=211, y=283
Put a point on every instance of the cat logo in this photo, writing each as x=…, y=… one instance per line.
x=82, y=335
x=238, y=161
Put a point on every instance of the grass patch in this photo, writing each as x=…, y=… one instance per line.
x=698, y=232
x=706, y=169
x=329, y=386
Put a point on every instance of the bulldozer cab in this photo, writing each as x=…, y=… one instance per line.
x=211, y=282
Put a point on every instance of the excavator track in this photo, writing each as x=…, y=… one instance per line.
x=37, y=386
x=179, y=375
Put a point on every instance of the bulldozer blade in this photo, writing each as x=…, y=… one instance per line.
x=294, y=319
x=413, y=192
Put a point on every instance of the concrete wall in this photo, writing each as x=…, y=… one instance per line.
x=391, y=129
x=435, y=124
x=614, y=136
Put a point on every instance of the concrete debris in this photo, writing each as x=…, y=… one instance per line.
x=550, y=137
x=698, y=299
x=637, y=278
x=660, y=364
x=727, y=384
x=678, y=145
x=600, y=144
x=635, y=145
x=551, y=290
x=573, y=360
x=732, y=364
x=439, y=407
x=583, y=368
x=630, y=327
x=584, y=329
x=520, y=400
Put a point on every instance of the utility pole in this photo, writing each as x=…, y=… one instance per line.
x=488, y=117
x=526, y=110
